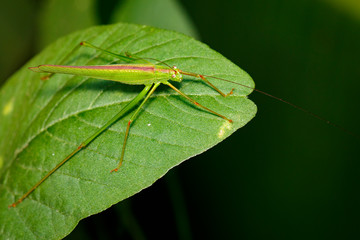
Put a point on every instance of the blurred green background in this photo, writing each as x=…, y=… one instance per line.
x=283, y=176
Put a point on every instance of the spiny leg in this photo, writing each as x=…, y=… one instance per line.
x=202, y=77
x=86, y=44
x=196, y=103
x=45, y=177
x=128, y=57
x=87, y=141
x=213, y=86
x=146, y=60
x=129, y=123
x=119, y=56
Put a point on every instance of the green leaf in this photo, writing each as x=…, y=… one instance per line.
x=43, y=121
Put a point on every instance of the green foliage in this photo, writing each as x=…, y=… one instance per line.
x=52, y=24
x=167, y=14
x=43, y=121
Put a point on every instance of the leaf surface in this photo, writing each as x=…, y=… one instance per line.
x=43, y=121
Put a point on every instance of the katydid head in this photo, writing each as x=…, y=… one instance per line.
x=176, y=74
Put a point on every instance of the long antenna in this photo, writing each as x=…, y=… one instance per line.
x=259, y=91
x=291, y=104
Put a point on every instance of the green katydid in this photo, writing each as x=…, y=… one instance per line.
x=147, y=74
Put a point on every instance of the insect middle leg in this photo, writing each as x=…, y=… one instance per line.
x=129, y=124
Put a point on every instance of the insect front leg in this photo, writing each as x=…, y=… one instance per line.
x=196, y=103
x=214, y=87
x=203, y=78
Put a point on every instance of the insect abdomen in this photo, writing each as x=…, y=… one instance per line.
x=124, y=73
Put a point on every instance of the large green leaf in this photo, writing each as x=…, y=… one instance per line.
x=43, y=121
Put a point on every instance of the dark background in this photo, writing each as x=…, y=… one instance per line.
x=285, y=175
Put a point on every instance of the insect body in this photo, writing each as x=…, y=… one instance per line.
x=134, y=74
x=150, y=75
